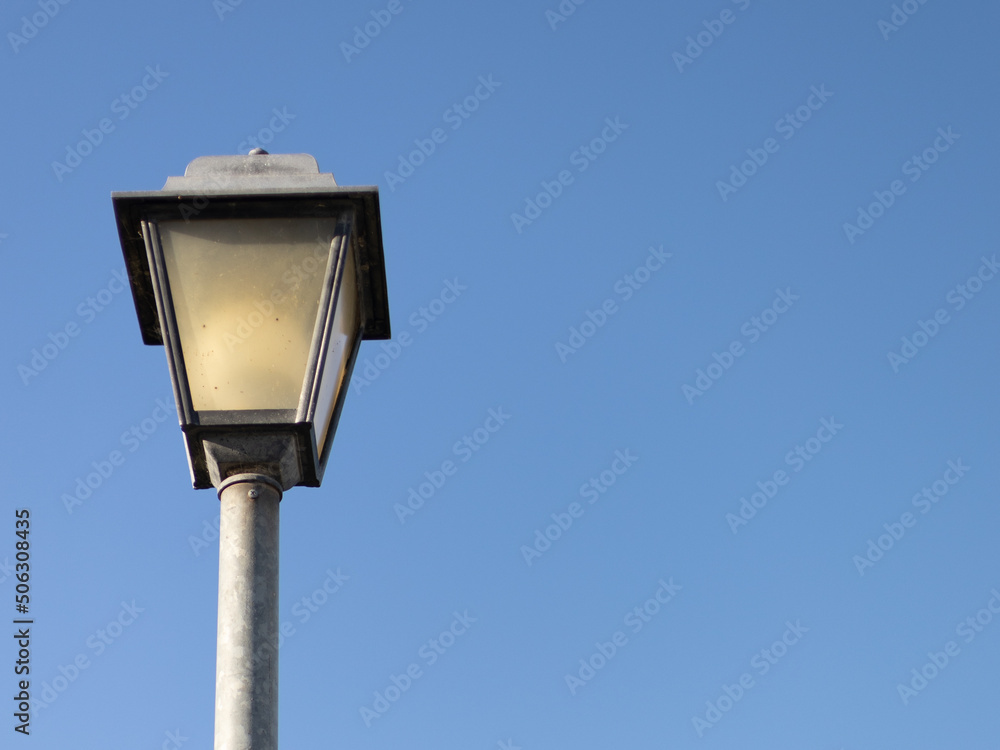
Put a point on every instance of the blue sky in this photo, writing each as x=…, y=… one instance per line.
x=711, y=288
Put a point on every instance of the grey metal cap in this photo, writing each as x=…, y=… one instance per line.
x=261, y=171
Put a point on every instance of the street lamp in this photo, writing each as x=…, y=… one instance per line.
x=261, y=277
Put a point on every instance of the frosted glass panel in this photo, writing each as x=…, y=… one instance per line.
x=345, y=330
x=246, y=293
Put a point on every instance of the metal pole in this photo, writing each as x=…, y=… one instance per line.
x=246, y=670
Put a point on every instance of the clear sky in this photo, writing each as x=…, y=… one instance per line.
x=698, y=299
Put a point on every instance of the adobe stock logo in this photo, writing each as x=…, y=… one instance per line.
x=562, y=12
x=463, y=448
x=266, y=134
x=40, y=357
x=762, y=662
x=703, y=39
x=367, y=372
x=958, y=297
x=635, y=619
x=786, y=126
x=455, y=116
x=103, y=468
x=625, y=287
x=430, y=652
x=914, y=168
x=753, y=329
x=363, y=36
x=98, y=642
x=581, y=158
x=30, y=27
x=303, y=609
x=590, y=490
x=938, y=661
x=925, y=500
x=900, y=15
x=122, y=106
x=796, y=459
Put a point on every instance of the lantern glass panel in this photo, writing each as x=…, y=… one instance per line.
x=246, y=295
x=343, y=334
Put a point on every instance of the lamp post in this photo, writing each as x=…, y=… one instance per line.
x=261, y=277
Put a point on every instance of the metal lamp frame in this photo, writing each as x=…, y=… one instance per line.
x=277, y=442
